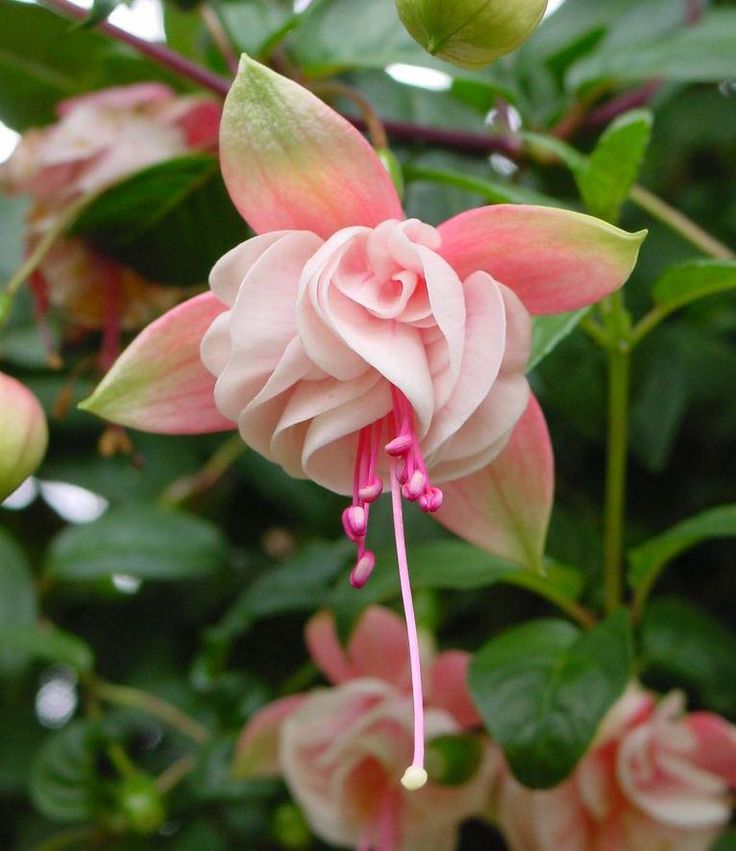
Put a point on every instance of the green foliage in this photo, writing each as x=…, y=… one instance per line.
x=543, y=689
x=612, y=168
x=144, y=541
x=648, y=559
x=144, y=220
x=682, y=645
x=18, y=605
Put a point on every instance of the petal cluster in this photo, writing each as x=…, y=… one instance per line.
x=342, y=750
x=99, y=139
x=318, y=332
x=655, y=778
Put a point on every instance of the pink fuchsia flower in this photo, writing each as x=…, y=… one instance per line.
x=355, y=347
x=99, y=139
x=655, y=778
x=23, y=434
x=342, y=750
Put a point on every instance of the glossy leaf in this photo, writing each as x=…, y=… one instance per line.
x=140, y=540
x=685, y=283
x=47, y=644
x=683, y=645
x=648, y=559
x=18, y=606
x=702, y=53
x=64, y=774
x=614, y=164
x=543, y=689
x=549, y=331
x=170, y=222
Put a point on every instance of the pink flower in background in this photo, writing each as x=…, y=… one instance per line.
x=655, y=779
x=98, y=140
x=361, y=349
x=342, y=750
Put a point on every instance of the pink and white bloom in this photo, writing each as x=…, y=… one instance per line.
x=99, y=139
x=655, y=778
x=342, y=750
x=355, y=347
x=23, y=434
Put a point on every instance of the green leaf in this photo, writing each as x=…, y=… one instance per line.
x=44, y=59
x=648, y=559
x=18, y=605
x=48, y=644
x=543, y=689
x=301, y=584
x=688, y=647
x=702, y=53
x=100, y=10
x=549, y=331
x=457, y=566
x=614, y=164
x=687, y=282
x=145, y=541
x=727, y=842
x=453, y=759
x=256, y=25
x=64, y=774
x=170, y=222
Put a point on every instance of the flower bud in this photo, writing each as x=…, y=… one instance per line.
x=23, y=434
x=470, y=33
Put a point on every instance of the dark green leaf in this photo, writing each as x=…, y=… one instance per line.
x=648, y=559
x=457, y=566
x=44, y=59
x=689, y=647
x=702, y=53
x=256, y=25
x=170, y=222
x=687, y=282
x=614, y=164
x=18, y=606
x=48, y=644
x=543, y=689
x=140, y=540
x=548, y=331
x=100, y=10
x=726, y=843
x=453, y=760
x=64, y=774
x=301, y=584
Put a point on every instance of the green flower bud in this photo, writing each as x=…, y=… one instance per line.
x=23, y=434
x=141, y=804
x=470, y=33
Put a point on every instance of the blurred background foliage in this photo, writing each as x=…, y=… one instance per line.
x=186, y=567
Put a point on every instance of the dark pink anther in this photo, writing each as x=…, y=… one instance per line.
x=370, y=493
x=399, y=445
x=402, y=471
x=363, y=569
x=355, y=522
x=416, y=485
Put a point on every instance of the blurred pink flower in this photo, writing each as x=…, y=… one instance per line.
x=655, y=779
x=99, y=139
x=355, y=347
x=342, y=750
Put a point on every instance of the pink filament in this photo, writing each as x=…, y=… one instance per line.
x=411, y=624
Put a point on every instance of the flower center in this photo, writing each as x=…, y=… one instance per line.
x=409, y=479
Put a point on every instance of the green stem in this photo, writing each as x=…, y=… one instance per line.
x=619, y=375
x=175, y=773
x=35, y=258
x=133, y=698
x=183, y=489
x=680, y=223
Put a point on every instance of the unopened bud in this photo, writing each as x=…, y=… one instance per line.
x=470, y=33
x=23, y=434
